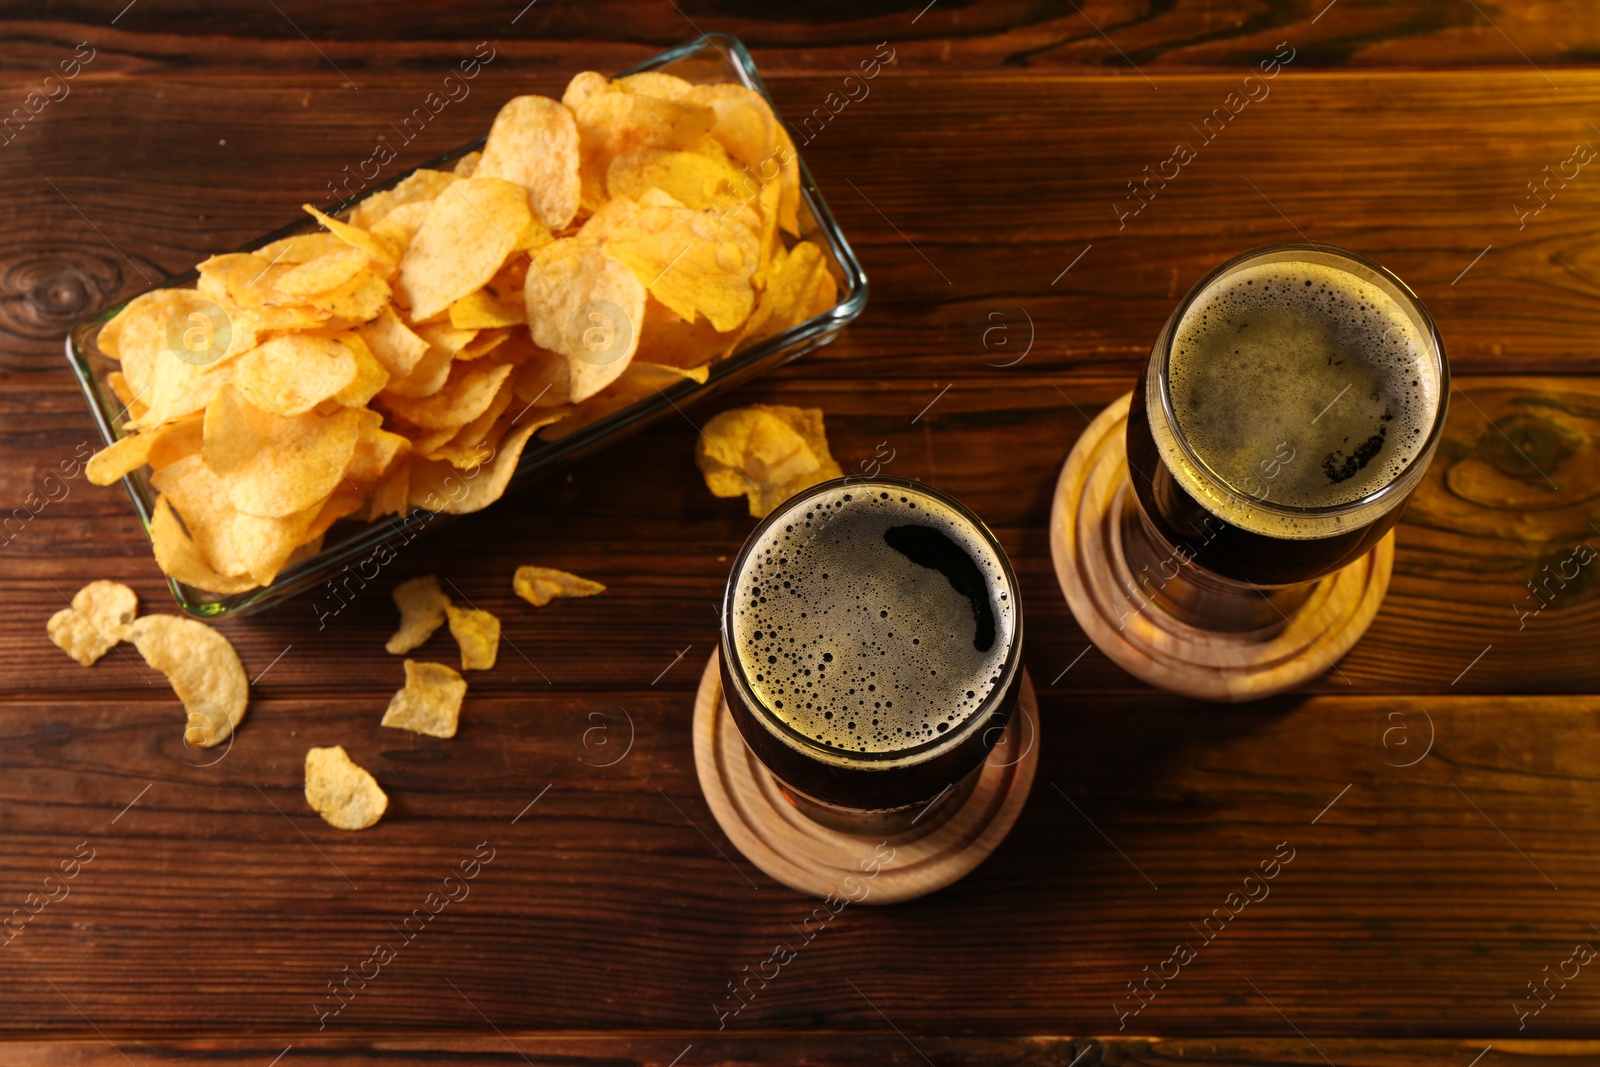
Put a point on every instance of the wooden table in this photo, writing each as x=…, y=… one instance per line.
x=1439, y=789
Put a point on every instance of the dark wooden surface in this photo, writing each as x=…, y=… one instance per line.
x=985, y=159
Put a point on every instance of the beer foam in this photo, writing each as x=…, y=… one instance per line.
x=850, y=626
x=1299, y=384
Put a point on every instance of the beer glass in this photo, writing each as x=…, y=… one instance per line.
x=1289, y=409
x=871, y=650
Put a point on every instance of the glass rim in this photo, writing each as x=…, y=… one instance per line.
x=1009, y=669
x=1413, y=303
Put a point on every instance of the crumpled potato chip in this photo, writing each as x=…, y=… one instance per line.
x=692, y=261
x=617, y=122
x=438, y=486
x=423, y=606
x=430, y=703
x=294, y=373
x=470, y=230
x=588, y=306
x=204, y=671
x=181, y=560
x=470, y=390
x=697, y=179
x=341, y=791
x=97, y=619
x=478, y=633
x=534, y=142
x=540, y=585
x=752, y=134
x=768, y=452
x=274, y=465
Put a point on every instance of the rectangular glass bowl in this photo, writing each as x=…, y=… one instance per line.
x=352, y=546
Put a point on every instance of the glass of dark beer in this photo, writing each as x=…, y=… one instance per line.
x=872, y=650
x=1289, y=409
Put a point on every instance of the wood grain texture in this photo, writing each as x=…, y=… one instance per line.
x=1126, y=37
x=1436, y=788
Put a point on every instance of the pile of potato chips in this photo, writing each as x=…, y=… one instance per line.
x=600, y=248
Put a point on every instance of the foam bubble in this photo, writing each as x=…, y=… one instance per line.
x=851, y=641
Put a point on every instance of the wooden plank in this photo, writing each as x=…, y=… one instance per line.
x=822, y=1048
x=1460, y=614
x=966, y=199
x=1411, y=900
x=1121, y=36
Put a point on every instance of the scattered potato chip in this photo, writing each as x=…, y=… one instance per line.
x=341, y=791
x=204, y=671
x=97, y=619
x=478, y=633
x=422, y=607
x=540, y=585
x=430, y=703
x=765, y=452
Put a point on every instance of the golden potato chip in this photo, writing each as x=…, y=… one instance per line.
x=433, y=369
x=482, y=311
x=422, y=185
x=422, y=607
x=356, y=302
x=376, y=248
x=693, y=178
x=468, y=393
x=377, y=452
x=588, y=306
x=389, y=496
x=201, y=501
x=294, y=373
x=274, y=465
x=616, y=123
x=792, y=289
x=478, y=633
x=178, y=387
x=119, y=386
x=393, y=343
x=692, y=261
x=130, y=453
x=97, y=619
x=638, y=382
x=543, y=379
x=438, y=486
x=470, y=230
x=486, y=341
x=583, y=86
x=475, y=442
x=534, y=142
x=328, y=271
x=672, y=341
x=341, y=791
x=467, y=165
x=181, y=560
x=430, y=703
x=135, y=333
x=540, y=585
x=176, y=440
x=747, y=128
x=765, y=452
x=264, y=544
x=371, y=376
x=302, y=248
x=204, y=671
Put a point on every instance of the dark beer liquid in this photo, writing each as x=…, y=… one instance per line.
x=1294, y=383
x=872, y=625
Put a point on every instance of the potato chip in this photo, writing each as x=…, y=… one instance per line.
x=128, y=454
x=747, y=128
x=467, y=165
x=204, y=671
x=475, y=442
x=433, y=369
x=672, y=341
x=616, y=123
x=692, y=261
x=534, y=142
x=176, y=440
x=467, y=394
x=693, y=178
x=356, y=302
x=478, y=633
x=201, y=501
x=294, y=373
x=584, y=85
x=341, y=791
x=328, y=271
x=438, y=486
x=393, y=343
x=422, y=185
x=430, y=703
x=639, y=382
x=134, y=334
x=97, y=619
x=588, y=306
x=274, y=465
x=378, y=452
x=792, y=289
x=264, y=544
x=371, y=376
x=179, y=387
x=181, y=560
x=765, y=452
x=482, y=311
x=302, y=248
x=389, y=496
x=422, y=607
x=470, y=230
x=377, y=249
x=543, y=380
x=540, y=585
x=486, y=341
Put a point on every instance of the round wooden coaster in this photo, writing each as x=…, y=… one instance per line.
x=813, y=859
x=1150, y=644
